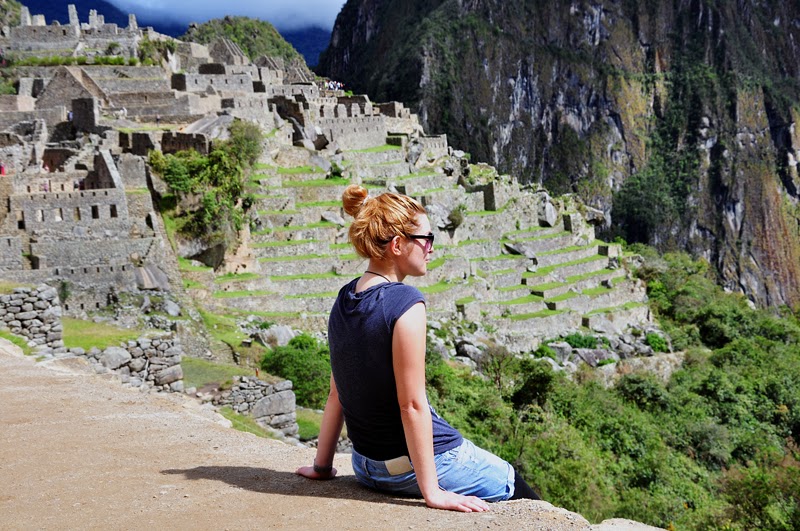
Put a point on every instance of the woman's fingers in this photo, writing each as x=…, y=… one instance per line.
x=310, y=473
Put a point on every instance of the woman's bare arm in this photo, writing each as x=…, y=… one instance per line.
x=408, y=355
x=329, y=432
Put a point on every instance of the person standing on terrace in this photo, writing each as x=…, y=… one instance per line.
x=377, y=338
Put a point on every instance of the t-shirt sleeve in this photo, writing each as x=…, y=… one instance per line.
x=400, y=298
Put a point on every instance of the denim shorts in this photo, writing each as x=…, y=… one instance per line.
x=466, y=469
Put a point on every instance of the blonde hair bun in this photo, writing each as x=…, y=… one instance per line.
x=353, y=199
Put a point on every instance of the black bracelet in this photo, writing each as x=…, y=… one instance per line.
x=322, y=469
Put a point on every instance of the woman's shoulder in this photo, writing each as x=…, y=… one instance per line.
x=398, y=288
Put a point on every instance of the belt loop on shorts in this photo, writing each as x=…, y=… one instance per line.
x=398, y=465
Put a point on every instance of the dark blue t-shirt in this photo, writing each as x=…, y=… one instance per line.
x=360, y=337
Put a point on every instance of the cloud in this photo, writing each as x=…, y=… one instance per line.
x=283, y=14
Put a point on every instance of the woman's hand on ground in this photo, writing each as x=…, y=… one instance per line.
x=310, y=473
x=451, y=501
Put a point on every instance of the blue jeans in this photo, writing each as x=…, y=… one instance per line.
x=466, y=469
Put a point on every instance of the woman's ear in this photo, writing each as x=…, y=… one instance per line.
x=395, y=246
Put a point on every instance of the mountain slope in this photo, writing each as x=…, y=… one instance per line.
x=255, y=37
x=675, y=118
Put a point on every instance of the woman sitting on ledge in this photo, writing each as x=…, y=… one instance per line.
x=377, y=341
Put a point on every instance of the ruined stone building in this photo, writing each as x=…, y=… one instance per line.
x=76, y=207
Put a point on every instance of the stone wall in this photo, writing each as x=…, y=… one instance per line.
x=34, y=314
x=10, y=252
x=119, y=85
x=172, y=142
x=51, y=117
x=148, y=362
x=433, y=147
x=310, y=92
x=11, y=103
x=221, y=83
x=354, y=133
x=271, y=405
x=133, y=173
x=254, y=108
x=76, y=254
x=44, y=38
x=100, y=209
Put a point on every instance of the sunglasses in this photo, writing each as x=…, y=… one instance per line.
x=428, y=240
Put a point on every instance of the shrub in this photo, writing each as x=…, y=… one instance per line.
x=578, y=340
x=545, y=352
x=307, y=364
x=644, y=390
x=657, y=342
x=456, y=216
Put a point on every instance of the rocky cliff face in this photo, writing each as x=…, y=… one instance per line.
x=676, y=118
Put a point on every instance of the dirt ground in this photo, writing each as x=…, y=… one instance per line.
x=81, y=451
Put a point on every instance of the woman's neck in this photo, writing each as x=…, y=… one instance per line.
x=386, y=270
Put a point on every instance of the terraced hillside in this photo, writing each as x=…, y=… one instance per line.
x=520, y=261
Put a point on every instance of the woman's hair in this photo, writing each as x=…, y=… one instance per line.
x=378, y=219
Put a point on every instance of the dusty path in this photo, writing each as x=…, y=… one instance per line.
x=80, y=451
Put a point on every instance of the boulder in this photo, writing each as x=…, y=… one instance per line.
x=169, y=375
x=334, y=217
x=151, y=277
x=171, y=308
x=115, y=357
x=275, y=336
x=275, y=404
x=547, y=214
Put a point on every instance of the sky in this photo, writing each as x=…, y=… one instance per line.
x=283, y=14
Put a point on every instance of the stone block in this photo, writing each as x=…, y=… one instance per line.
x=115, y=357
x=27, y=307
x=48, y=294
x=280, y=421
x=276, y=404
x=169, y=375
x=173, y=351
x=137, y=364
x=284, y=385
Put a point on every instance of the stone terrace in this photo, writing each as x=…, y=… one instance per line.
x=531, y=268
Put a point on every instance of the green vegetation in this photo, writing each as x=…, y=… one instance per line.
x=218, y=179
x=244, y=423
x=227, y=338
x=713, y=448
x=17, y=340
x=59, y=60
x=308, y=421
x=255, y=37
x=200, y=373
x=316, y=183
x=88, y=334
x=235, y=294
x=377, y=149
x=307, y=364
x=236, y=277
x=186, y=265
x=153, y=52
x=298, y=170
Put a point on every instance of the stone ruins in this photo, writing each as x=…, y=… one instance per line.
x=77, y=196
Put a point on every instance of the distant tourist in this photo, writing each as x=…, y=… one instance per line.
x=377, y=336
